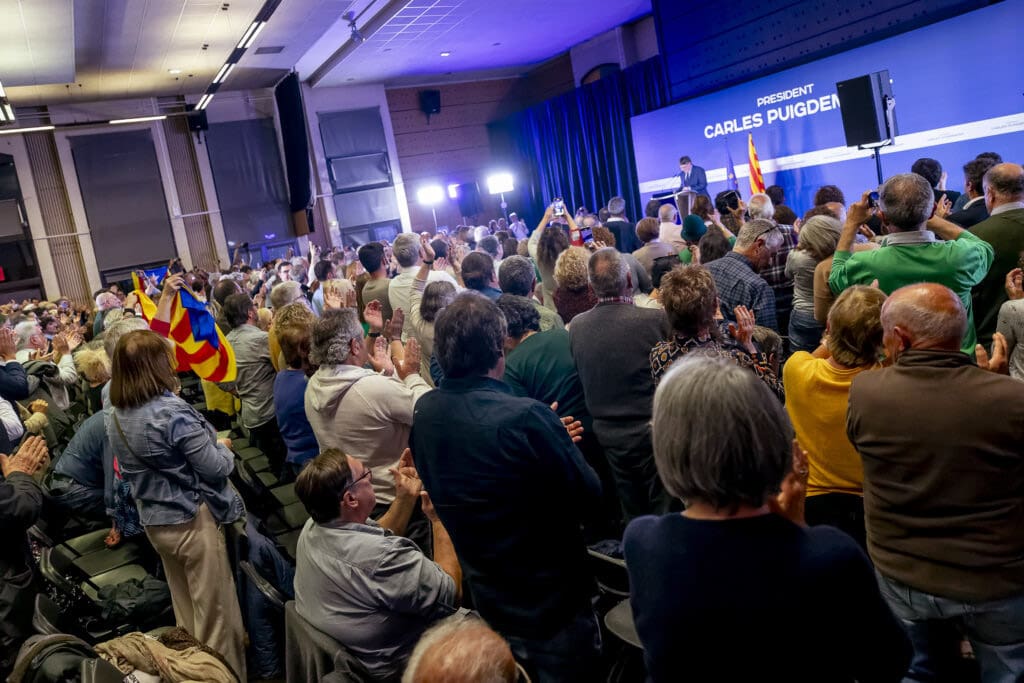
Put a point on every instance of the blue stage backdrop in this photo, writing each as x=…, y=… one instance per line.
x=957, y=88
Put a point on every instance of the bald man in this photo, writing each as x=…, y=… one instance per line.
x=940, y=439
x=1003, y=185
x=461, y=650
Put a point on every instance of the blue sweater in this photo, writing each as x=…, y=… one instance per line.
x=289, y=405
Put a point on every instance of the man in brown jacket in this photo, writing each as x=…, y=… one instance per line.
x=941, y=441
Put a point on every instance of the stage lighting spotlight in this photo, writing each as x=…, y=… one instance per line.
x=430, y=195
x=500, y=183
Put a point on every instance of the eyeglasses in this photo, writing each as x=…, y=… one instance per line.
x=366, y=473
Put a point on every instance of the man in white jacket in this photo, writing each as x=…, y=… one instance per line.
x=366, y=413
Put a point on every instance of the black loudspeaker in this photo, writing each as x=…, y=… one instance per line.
x=868, y=108
x=197, y=122
x=469, y=200
x=430, y=102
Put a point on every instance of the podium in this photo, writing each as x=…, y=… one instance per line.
x=683, y=200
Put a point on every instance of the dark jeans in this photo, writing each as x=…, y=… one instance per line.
x=804, y=332
x=627, y=446
x=70, y=495
x=995, y=629
x=571, y=655
x=267, y=438
x=844, y=511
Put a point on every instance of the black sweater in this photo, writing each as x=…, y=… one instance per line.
x=758, y=599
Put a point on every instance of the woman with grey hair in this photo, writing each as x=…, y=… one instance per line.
x=818, y=239
x=723, y=591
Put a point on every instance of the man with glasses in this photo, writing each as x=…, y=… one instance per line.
x=358, y=580
x=736, y=274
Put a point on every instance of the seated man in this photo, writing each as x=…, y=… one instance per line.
x=358, y=580
x=83, y=476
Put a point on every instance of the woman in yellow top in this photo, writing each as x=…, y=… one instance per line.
x=817, y=394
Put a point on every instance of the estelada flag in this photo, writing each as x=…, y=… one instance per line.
x=756, y=179
x=199, y=345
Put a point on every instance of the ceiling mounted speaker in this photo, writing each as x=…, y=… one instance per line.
x=430, y=102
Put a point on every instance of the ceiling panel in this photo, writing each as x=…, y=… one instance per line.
x=479, y=35
x=36, y=42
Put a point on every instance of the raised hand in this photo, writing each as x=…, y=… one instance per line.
x=407, y=479
x=30, y=457
x=743, y=329
x=410, y=364
x=332, y=296
x=1015, y=284
x=393, y=327
x=8, y=346
x=380, y=359
x=999, y=362
x=74, y=340
x=428, y=507
x=793, y=492
x=60, y=344
x=860, y=211
x=373, y=314
x=943, y=207
x=426, y=251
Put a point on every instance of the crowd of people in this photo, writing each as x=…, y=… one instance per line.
x=796, y=431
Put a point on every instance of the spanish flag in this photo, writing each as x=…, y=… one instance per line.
x=756, y=179
x=199, y=345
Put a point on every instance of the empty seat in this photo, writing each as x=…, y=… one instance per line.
x=285, y=494
x=107, y=559
x=249, y=452
x=294, y=515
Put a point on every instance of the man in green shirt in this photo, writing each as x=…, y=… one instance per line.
x=918, y=248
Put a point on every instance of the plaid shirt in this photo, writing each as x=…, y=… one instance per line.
x=775, y=273
x=739, y=285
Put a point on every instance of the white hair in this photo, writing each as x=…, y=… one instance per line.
x=760, y=206
x=24, y=331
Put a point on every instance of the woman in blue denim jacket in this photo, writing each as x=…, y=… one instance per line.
x=178, y=473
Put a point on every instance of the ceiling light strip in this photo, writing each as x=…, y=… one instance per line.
x=204, y=102
x=33, y=129
x=254, y=28
x=246, y=43
x=138, y=119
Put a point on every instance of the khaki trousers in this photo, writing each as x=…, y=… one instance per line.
x=195, y=559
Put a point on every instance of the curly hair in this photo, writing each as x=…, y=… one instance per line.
x=553, y=241
x=690, y=299
x=571, y=269
x=333, y=335
x=603, y=234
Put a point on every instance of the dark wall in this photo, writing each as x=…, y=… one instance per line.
x=713, y=44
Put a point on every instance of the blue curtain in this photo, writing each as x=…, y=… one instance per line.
x=579, y=146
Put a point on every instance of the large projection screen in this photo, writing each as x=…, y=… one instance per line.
x=955, y=97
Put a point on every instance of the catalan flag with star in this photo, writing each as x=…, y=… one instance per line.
x=756, y=179
x=199, y=345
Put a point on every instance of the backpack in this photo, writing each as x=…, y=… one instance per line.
x=51, y=659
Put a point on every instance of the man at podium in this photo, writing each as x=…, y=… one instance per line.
x=692, y=177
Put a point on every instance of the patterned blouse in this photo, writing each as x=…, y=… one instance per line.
x=665, y=353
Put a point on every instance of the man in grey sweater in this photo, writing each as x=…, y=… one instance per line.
x=611, y=345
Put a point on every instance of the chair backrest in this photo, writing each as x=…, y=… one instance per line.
x=311, y=655
x=264, y=586
x=610, y=573
x=100, y=671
